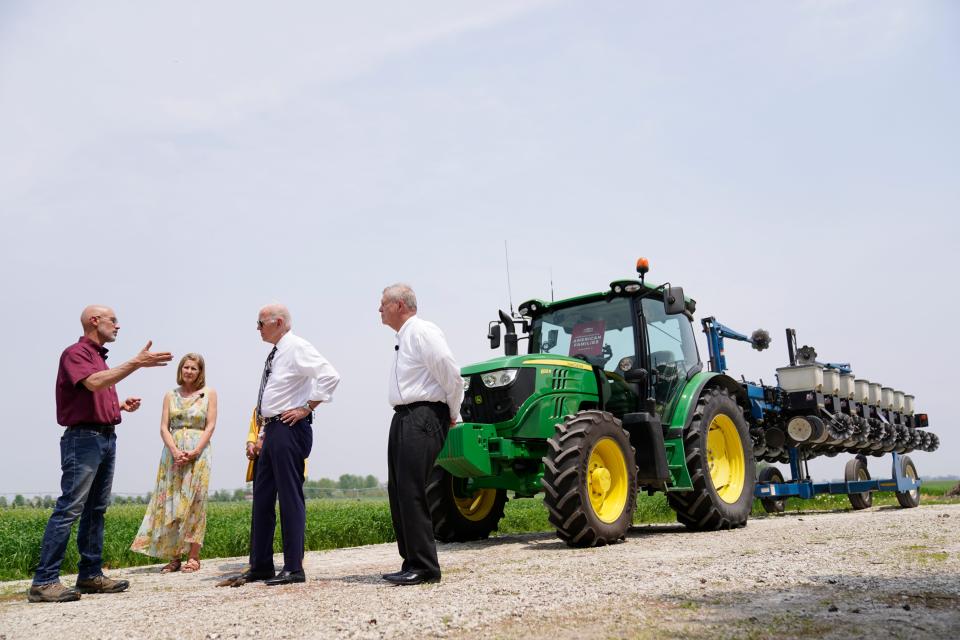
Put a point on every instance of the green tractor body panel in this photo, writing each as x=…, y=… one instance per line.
x=680, y=414
x=503, y=436
x=682, y=410
x=687, y=399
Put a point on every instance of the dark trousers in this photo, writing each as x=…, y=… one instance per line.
x=417, y=434
x=279, y=474
x=87, y=460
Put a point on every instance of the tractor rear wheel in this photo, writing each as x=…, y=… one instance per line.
x=721, y=466
x=908, y=499
x=590, y=479
x=458, y=516
x=856, y=470
x=772, y=505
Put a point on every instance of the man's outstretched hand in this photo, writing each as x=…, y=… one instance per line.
x=147, y=358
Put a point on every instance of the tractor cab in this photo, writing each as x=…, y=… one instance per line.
x=637, y=337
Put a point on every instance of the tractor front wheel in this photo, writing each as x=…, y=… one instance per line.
x=719, y=457
x=459, y=516
x=590, y=479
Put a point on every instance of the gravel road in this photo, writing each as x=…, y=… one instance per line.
x=882, y=572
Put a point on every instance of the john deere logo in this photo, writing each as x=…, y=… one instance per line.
x=477, y=399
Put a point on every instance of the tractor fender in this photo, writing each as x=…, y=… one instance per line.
x=683, y=413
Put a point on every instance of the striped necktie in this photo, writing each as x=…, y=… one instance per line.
x=267, y=367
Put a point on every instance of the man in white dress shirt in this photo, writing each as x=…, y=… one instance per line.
x=426, y=391
x=296, y=378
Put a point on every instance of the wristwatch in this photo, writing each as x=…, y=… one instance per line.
x=307, y=406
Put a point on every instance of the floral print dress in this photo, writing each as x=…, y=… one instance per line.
x=177, y=514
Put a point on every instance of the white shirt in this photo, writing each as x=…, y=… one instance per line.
x=298, y=374
x=424, y=369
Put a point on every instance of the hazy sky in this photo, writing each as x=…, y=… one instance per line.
x=788, y=163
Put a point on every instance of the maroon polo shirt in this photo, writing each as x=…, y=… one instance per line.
x=75, y=403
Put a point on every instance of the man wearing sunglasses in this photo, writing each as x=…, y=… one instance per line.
x=295, y=379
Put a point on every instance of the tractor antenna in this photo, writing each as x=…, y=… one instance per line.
x=506, y=253
x=551, y=284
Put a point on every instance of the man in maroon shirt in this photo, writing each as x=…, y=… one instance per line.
x=87, y=405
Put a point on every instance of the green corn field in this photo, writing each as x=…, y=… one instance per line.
x=331, y=524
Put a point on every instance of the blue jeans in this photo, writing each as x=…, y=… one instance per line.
x=87, y=459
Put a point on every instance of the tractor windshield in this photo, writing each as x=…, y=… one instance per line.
x=601, y=333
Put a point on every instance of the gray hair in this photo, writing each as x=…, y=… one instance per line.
x=277, y=310
x=403, y=293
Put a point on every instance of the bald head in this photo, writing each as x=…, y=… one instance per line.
x=274, y=322
x=99, y=323
x=86, y=318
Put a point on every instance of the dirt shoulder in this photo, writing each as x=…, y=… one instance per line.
x=883, y=572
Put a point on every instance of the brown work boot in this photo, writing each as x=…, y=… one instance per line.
x=102, y=584
x=53, y=592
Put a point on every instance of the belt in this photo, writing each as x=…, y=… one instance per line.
x=413, y=405
x=102, y=429
x=276, y=418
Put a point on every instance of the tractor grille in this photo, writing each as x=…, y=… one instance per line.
x=484, y=405
x=557, y=408
x=559, y=379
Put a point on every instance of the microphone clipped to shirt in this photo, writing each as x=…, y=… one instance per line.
x=396, y=347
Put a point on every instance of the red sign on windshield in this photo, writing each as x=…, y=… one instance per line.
x=587, y=338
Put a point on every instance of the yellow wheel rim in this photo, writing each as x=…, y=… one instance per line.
x=725, y=458
x=607, y=480
x=476, y=507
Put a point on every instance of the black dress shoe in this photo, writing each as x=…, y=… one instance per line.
x=256, y=576
x=387, y=576
x=412, y=577
x=287, y=577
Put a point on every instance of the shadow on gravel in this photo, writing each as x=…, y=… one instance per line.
x=139, y=571
x=640, y=530
x=511, y=538
x=834, y=606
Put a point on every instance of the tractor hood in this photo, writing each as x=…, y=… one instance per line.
x=526, y=360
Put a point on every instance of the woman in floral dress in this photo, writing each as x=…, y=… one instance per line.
x=176, y=519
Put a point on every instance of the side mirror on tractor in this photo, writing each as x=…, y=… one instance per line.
x=551, y=342
x=493, y=335
x=673, y=300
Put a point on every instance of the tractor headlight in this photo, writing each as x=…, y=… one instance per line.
x=500, y=378
x=466, y=382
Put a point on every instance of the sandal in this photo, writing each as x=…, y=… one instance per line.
x=192, y=565
x=170, y=567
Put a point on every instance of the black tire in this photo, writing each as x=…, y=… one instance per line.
x=772, y=505
x=856, y=469
x=584, y=448
x=453, y=518
x=908, y=499
x=703, y=509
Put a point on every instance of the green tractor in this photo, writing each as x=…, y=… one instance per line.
x=611, y=398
